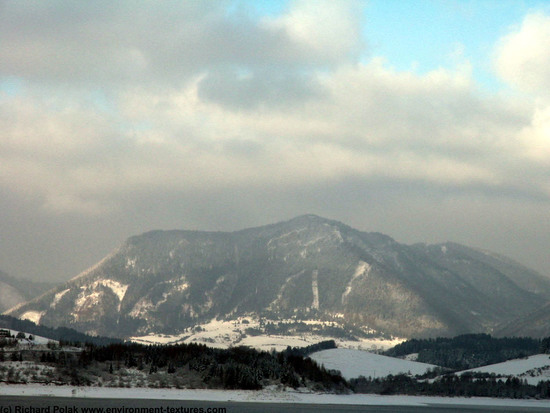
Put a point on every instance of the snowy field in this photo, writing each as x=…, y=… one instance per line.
x=533, y=369
x=270, y=395
x=355, y=363
x=224, y=334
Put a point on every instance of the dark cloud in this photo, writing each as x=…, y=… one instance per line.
x=114, y=44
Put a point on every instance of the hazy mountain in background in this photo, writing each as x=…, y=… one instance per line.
x=14, y=291
x=308, y=268
x=534, y=324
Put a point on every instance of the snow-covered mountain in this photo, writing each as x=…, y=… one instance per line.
x=356, y=283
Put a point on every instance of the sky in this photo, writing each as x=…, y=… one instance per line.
x=428, y=121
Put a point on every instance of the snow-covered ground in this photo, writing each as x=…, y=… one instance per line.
x=224, y=334
x=28, y=371
x=269, y=395
x=533, y=369
x=355, y=363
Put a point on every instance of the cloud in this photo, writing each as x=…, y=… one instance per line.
x=537, y=137
x=139, y=116
x=523, y=60
x=289, y=127
x=248, y=91
x=523, y=56
x=118, y=44
x=328, y=31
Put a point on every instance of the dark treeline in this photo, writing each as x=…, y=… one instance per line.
x=63, y=334
x=469, y=350
x=234, y=368
x=312, y=348
x=284, y=328
x=465, y=385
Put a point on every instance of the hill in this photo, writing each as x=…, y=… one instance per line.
x=354, y=363
x=57, y=334
x=532, y=369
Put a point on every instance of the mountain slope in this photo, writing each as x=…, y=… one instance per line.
x=167, y=281
x=534, y=324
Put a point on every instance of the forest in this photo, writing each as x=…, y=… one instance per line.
x=178, y=366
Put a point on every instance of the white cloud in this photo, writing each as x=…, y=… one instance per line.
x=523, y=60
x=523, y=56
x=329, y=30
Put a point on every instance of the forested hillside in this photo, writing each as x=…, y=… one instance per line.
x=467, y=351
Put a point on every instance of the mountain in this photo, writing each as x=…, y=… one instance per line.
x=307, y=268
x=14, y=291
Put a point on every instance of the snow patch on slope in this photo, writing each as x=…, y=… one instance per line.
x=141, y=307
x=116, y=287
x=279, y=298
x=363, y=268
x=33, y=316
x=87, y=300
x=90, y=296
x=58, y=297
x=315, y=289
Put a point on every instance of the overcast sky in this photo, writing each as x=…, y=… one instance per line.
x=428, y=121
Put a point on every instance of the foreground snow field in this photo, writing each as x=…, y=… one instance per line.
x=355, y=363
x=268, y=395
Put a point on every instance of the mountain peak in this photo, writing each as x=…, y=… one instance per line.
x=309, y=219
